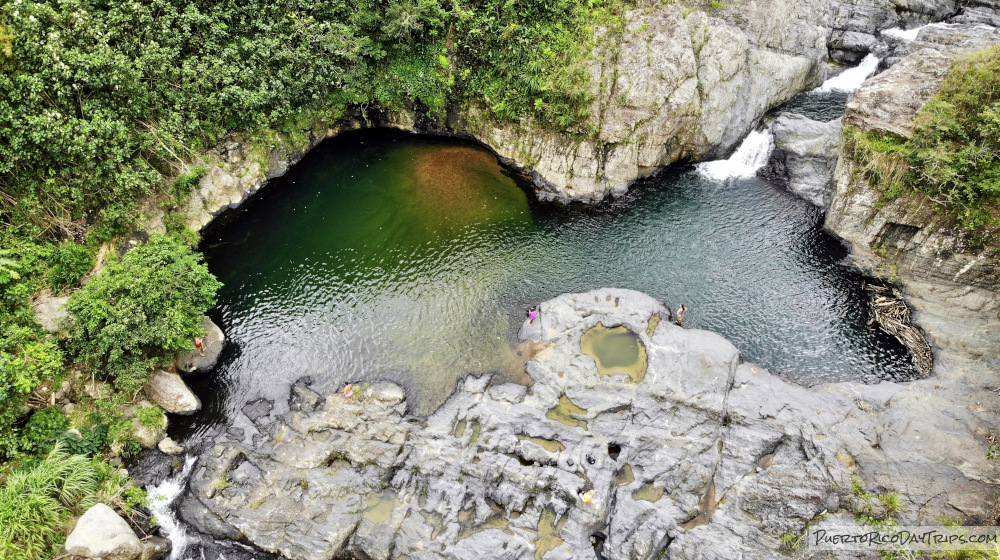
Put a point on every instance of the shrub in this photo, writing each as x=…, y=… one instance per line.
x=141, y=309
x=43, y=429
x=68, y=263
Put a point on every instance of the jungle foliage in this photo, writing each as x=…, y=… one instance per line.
x=99, y=101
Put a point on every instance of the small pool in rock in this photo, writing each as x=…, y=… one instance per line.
x=409, y=258
x=615, y=350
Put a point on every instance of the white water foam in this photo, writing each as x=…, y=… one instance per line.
x=904, y=34
x=850, y=80
x=745, y=161
x=162, y=498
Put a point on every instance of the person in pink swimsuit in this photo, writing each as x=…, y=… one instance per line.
x=532, y=314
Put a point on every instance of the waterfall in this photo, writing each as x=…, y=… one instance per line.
x=162, y=498
x=850, y=80
x=745, y=161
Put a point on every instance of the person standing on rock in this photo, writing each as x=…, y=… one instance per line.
x=199, y=345
x=680, y=315
x=532, y=314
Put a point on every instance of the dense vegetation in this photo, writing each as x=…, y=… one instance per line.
x=953, y=155
x=104, y=104
x=99, y=101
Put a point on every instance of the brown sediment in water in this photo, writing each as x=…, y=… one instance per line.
x=451, y=178
x=649, y=492
x=654, y=321
x=615, y=350
x=706, y=507
x=625, y=476
x=548, y=533
x=381, y=506
x=475, y=433
x=565, y=413
x=550, y=445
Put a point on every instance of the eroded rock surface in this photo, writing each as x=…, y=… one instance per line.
x=706, y=457
x=804, y=156
x=168, y=390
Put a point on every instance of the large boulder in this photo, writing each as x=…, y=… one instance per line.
x=102, y=533
x=149, y=424
x=804, y=156
x=170, y=392
x=214, y=341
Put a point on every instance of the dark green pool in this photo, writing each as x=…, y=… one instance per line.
x=385, y=255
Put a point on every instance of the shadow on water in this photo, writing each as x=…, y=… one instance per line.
x=386, y=255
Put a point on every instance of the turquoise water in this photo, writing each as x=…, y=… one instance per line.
x=385, y=255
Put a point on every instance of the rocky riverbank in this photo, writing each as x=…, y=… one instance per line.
x=673, y=83
x=950, y=277
x=695, y=455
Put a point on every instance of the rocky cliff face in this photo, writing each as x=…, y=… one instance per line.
x=676, y=83
x=695, y=454
x=950, y=278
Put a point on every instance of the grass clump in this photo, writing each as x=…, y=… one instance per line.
x=37, y=503
x=953, y=155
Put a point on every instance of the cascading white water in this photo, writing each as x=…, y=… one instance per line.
x=162, y=498
x=850, y=80
x=903, y=34
x=745, y=161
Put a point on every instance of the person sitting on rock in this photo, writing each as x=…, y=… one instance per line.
x=680, y=315
x=348, y=392
x=199, y=345
x=532, y=314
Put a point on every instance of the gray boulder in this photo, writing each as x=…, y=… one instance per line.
x=214, y=341
x=169, y=447
x=155, y=548
x=170, y=392
x=101, y=533
x=50, y=310
x=804, y=156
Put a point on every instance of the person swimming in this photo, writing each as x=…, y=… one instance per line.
x=532, y=314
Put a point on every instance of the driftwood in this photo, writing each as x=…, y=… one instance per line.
x=891, y=313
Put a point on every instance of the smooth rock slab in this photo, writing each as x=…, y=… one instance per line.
x=804, y=156
x=102, y=533
x=214, y=341
x=170, y=392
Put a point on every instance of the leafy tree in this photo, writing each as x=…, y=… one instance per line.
x=141, y=310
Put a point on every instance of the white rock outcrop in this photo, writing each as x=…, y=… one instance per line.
x=102, y=533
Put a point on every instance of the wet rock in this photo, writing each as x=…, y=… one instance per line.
x=214, y=341
x=155, y=548
x=50, y=311
x=101, y=533
x=170, y=392
x=706, y=457
x=804, y=156
x=169, y=447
